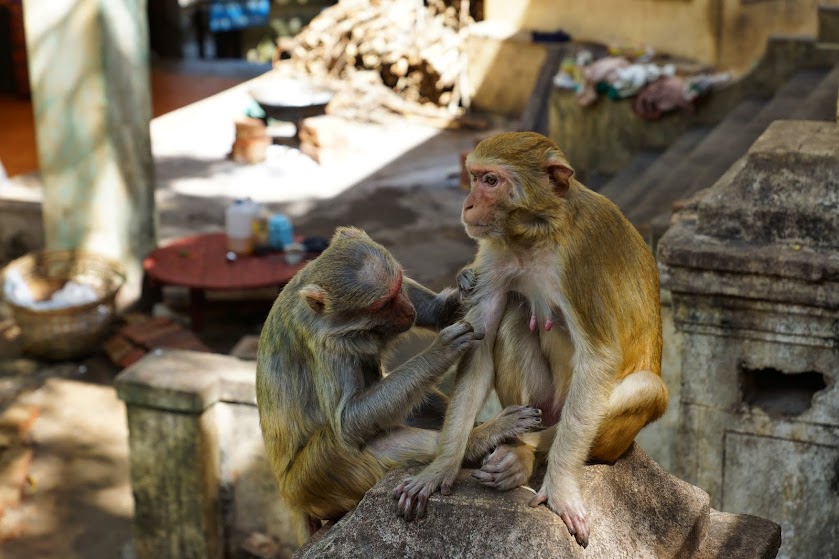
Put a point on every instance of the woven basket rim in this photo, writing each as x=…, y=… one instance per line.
x=106, y=298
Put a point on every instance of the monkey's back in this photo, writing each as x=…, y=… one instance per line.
x=613, y=273
x=316, y=470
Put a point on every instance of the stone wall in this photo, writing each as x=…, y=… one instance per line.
x=752, y=267
x=730, y=34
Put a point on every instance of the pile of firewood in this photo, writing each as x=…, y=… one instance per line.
x=415, y=46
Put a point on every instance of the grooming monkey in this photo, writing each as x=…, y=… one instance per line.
x=331, y=423
x=566, y=292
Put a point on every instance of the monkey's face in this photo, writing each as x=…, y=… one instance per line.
x=489, y=200
x=393, y=311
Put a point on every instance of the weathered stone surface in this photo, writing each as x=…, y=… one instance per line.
x=636, y=510
x=200, y=475
x=740, y=536
x=190, y=381
x=774, y=215
x=786, y=191
x=753, y=268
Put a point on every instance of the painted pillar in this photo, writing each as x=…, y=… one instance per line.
x=89, y=75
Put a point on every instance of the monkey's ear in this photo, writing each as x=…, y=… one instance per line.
x=349, y=233
x=559, y=174
x=315, y=297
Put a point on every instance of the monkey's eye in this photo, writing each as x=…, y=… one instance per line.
x=491, y=180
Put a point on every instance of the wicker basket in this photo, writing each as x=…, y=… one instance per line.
x=71, y=332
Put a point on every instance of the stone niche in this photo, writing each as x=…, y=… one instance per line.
x=753, y=267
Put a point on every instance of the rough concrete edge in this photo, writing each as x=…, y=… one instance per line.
x=740, y=535
x=186, y=381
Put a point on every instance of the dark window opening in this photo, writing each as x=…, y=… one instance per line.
x=780, y=393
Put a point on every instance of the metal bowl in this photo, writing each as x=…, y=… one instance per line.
x=291, y=100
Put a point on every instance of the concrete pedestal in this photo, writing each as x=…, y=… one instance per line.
x=754, y=273
x=200, y=476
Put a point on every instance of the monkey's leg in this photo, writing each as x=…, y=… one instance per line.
x=584, y=407
x=409, y=445
x=635, y=401
x=472, y=385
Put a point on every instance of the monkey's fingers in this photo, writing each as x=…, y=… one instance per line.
x=577, y=527
x=494, y=457
x=407, y=507
x=422, y=501
x=397, y=493
x=499, y=463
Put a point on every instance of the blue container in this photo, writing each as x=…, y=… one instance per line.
x=280, y=232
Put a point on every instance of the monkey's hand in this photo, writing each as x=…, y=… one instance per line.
x=451, y=343
x=449, y=308
x=467, y=279
x=507, y=467
x=413, y=493
x=506, y=426
x=564, y=499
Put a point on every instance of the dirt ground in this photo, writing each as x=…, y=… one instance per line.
x=64, y=470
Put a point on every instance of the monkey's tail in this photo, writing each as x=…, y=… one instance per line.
x=303, y=525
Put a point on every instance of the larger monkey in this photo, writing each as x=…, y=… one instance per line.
x=567, y=295
x=332, y=425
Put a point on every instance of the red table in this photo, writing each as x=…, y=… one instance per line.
x=199, y=263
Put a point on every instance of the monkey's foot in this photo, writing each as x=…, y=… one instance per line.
x=510, y=422
x=515, y=420
x=572, y=512
x=413, y=493
x=507, y=467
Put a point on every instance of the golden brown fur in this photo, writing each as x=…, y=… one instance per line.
x=551, y=252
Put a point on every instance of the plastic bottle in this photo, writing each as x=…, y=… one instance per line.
x=280, y=231
x=238, y=219
x=259, y=227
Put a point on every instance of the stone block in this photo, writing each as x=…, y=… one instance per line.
x=753, y=270
x=636, y=510
x=200, y=476
x=782, y=193
x=739, y=536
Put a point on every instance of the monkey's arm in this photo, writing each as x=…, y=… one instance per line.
x=434, y=310
x=388, y=402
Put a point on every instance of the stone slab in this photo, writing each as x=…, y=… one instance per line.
x=787, y=191
x=740, y=536
x=187, y=381
x=636, y=510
